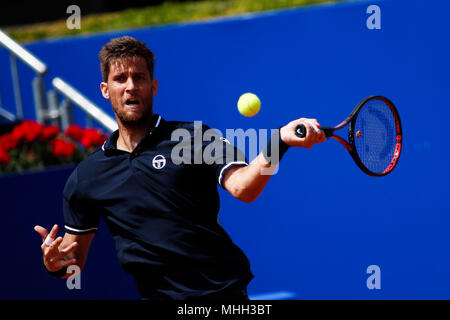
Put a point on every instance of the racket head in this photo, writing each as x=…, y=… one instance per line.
x=375, y=135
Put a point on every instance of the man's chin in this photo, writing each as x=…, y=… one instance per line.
x=135, y=121
x=134, y=117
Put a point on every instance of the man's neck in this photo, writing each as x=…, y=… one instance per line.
x=129, y=137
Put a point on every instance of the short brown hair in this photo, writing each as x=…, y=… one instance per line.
x=124, y=48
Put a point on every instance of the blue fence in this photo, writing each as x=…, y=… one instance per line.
x=318, y=241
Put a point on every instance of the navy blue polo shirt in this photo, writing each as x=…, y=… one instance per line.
x=161, y=203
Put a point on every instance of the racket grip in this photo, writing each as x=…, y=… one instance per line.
x=300, y=131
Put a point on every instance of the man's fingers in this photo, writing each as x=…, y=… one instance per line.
x=42, y=232
x=62, y=264
x=64, y=252
x=51, y=236
x=314, y=133
x=66, y=263
x=53, y=248
x=314, y=124
x=69, y=248
x=54, y=231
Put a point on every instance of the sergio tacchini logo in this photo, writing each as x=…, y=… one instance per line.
x=159, y=162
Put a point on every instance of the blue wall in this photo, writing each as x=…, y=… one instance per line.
x=311, y=62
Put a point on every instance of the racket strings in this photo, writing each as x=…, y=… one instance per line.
x=375, y=135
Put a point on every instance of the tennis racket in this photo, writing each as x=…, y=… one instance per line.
x=374, y=135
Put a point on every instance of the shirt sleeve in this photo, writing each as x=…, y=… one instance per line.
x=221, y=154
x=79, y=216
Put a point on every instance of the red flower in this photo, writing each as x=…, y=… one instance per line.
x=49, y=132
x=18, y=133
x=27, y=131
x=8, y=142
x=75, y=132
x=4, y=157
x=62, y=148
x=34, y=130
x=92, y=138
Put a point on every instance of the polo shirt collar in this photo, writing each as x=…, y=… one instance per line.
x=110, y=143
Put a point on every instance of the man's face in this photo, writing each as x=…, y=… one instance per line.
x=131, y=90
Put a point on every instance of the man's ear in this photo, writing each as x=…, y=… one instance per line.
x=154, y=86
x=104, y=89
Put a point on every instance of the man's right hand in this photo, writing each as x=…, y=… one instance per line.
x=315, y=135
x=55, y=258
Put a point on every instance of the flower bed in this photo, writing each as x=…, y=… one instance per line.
x=31, y=145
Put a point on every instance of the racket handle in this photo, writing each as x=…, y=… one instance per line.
x=300, y=131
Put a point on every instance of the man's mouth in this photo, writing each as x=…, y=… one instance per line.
x=132, y=102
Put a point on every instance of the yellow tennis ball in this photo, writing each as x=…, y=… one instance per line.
x=249, y=104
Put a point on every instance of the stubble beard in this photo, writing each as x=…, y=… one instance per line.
x=134, y=121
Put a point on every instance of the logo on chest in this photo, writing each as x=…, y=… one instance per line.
x=159, y=162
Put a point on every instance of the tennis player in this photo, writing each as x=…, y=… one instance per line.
x=162, y=215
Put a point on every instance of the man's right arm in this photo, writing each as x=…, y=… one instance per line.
x=62, y=252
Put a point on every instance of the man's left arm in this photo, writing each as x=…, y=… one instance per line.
x=247, y=183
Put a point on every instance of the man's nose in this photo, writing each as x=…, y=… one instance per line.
x=131, y=84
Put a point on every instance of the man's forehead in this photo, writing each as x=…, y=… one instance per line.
x=136, y=64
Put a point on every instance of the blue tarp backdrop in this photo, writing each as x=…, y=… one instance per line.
x=320, y=222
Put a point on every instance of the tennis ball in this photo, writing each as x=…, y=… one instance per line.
x=249, y=104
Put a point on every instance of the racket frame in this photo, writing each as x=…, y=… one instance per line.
x=350, y=145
